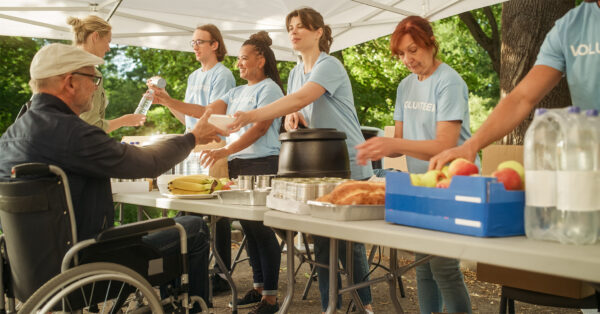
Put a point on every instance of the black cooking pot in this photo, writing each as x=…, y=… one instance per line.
x=313, y=153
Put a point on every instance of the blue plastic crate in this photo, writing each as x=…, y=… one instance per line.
x=478, y=206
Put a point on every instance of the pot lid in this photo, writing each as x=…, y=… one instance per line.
x=313, y=134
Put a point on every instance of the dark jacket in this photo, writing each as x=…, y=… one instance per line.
x=50, y=132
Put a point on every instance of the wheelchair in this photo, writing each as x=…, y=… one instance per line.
x=43, y=265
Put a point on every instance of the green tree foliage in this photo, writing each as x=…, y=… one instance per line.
x=16, y=54
x=375, y=76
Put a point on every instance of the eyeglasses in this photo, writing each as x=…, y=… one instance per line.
x=199, y=42
x=96, y=79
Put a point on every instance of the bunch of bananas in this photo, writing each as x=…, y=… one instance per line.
x=194, y=184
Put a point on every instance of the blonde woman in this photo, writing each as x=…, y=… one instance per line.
x=93, y=34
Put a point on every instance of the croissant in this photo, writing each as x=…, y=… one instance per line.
x=356, y=193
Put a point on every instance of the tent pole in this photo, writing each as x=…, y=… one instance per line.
x=114, y=9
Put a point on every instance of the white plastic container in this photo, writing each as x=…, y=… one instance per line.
x=162, y=182
x=221, y=121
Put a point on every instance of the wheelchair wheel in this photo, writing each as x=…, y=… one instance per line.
x=95, y=287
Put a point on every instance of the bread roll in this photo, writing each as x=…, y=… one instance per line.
x=356, y=193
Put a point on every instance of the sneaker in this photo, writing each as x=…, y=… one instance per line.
x=251, y=298
x=219, y=285
x=265, y=308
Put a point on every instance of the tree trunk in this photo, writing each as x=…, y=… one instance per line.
x=525, y=24
x=490, y=44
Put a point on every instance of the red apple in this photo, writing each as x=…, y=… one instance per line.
x=443, y=184
x=510, y=178
x=462, y=167
x=514, y=165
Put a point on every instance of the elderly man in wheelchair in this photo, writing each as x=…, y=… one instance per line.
x=59, y=250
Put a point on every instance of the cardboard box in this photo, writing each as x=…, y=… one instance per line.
x=548, y=284
x=478, y=206
x=398, y=163
x=560, y=286
x=493, y=155
x=218, y=170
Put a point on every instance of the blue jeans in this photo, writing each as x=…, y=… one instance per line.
x=167, y=242
x=440, y=282
x=360, y=271
x=265, y=255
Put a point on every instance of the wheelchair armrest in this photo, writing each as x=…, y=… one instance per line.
x=133, y=229
x=29, y=169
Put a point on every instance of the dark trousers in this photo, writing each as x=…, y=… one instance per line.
x=167, y=242
x=223, y=242
x=263, y=248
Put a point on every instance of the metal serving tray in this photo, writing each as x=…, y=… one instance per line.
x=346, y=212
x=244, y=197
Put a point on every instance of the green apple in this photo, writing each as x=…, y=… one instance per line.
x=431, y=178
x=514, y=165
x=415, y=179
x=445, y=171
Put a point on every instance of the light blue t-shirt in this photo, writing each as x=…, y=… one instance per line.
x=246, y=98
x=298, y=78
x=204, y=88
x=335, y=108
x=573, y=47
x=421, y=104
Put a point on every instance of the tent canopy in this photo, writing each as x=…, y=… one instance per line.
x=170, y=24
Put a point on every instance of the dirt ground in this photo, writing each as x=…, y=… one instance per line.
x=485, y=297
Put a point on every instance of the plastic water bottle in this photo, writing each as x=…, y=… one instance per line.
x=192, y=164
x=593, y=122
x=145, y=102
x=577, y=198
x=541, y=162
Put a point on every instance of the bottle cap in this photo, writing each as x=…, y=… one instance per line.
x=158, y=81
x=573, y=109
x=591, y=113
x=540, y=111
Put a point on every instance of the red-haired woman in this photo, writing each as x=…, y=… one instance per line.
x=431, y=114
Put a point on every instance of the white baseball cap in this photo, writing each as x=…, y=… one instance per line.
x=57, y=59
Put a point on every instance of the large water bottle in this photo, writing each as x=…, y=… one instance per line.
x=541, y=162
x=577, y=198
x=193, y=165
x=593, y=122
x=145, y=102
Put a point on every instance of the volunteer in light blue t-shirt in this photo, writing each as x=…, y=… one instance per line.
x=432, y=113
x=319, y=89
x=246, y=98
x=205, y=85
x=335, y=108
x=254, y=150
x=420, y=105
x=571, y=48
